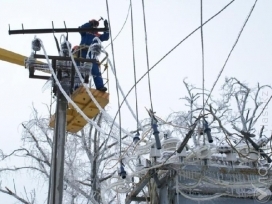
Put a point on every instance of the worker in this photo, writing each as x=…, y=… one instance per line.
x=87, y=39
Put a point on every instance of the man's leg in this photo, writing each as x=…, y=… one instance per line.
x=98, y=81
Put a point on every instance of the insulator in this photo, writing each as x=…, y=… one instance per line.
x=170, y=143
x=122, y=172
x=154, y=152
x=36, y=45
x=65, y=49
x=96, y=49
x=224, y=149
x=156, y=134
x=207, y=130
x=183, y=152
x=30, y=61
x=262, y=142
x=136, y=138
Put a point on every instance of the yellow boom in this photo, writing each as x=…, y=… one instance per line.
x=12, y=57
x=74, y=120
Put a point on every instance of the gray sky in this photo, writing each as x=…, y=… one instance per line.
x=168, y=22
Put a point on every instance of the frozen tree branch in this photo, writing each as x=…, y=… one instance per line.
x=9, y=192
x=37, y=145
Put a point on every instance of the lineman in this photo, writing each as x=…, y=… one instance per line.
x=87, y=39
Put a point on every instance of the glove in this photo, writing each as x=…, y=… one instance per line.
x=106, y=25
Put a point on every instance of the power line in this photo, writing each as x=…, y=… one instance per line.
x=202, y=49
x=203, y=64
x=230, y=52
x=147, y=58
x=134, y=68
x=171, y=51
x=121, y=27
x=117, y=90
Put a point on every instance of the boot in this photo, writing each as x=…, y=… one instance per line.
x=103, y=89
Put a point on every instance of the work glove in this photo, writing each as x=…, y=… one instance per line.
x=106, y=25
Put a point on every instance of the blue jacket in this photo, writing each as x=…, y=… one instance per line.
x=87, y=38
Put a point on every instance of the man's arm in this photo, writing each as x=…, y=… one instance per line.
x=86, y=25
x=105, y=36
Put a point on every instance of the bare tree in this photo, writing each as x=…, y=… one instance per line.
x=93, y=159
x=86, y=153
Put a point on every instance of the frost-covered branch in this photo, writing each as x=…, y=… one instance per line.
x=13, y=194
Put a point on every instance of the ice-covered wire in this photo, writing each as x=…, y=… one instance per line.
x=123, y=94
x=202, y=49
x=66, y=96
x=117, y=90
x=235, y=43
x=201, y=198
x=118, y=85
x=134, y=66
x=61, y=50
x=141, y=148
x=175, y=48
x=108, y=117
x=147, y=59
x=121, y=27
x=184, y=186
x=95, y=48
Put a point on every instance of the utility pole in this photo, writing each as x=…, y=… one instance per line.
x=55, y=192
x=57, y=160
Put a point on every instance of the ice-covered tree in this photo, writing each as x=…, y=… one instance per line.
x=92, y=158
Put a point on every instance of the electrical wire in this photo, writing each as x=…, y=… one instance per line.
x=66, y=95
x=70, y=100
x=147, y=58
x=150, y=91
x=263, y=109
x=202, y=49
x=117, y=90
x=239, y=35
x=121, y=27
x=201, y=198
x=123, y=94
x=170, y=52
x=134, y=67
x=92, y=97
x=90, y=94
x=208, y=198
x=203, y=64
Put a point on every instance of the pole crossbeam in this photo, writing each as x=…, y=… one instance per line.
x=56, y=30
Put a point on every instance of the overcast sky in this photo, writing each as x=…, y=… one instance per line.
x=168, y=22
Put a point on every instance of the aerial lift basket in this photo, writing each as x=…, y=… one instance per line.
x=75, y=122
